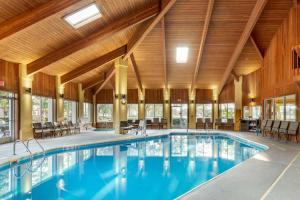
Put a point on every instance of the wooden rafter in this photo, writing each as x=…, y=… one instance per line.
x=100, y=61
x=134, y=42
x=257, y=10
x=93, y=82
x=104, y=33
x=256, y=48
x=235, y=76
x=32, y=16
x=202, y=42
x=105, y=81
x=136, y=72
x=295, y=2
x=163, y=32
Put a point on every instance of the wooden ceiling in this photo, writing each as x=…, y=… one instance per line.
x=182, y=25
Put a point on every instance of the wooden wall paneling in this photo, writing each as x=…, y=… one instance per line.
x=132, y=96
x=227, y=94
x=88, y=95
x=105, y=96
x=252, y=88
x=154, y=96
x=71, y=91
x=44, y=85
x=9, y=73
x=179, y=96
x=204, y=96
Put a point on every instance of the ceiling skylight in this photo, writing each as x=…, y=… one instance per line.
x=182, y=54
x=83, y=16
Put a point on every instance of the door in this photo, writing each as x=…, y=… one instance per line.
x=179, y=115
x=7, y=122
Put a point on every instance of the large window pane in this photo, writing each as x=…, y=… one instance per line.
x=42, y=109
x=132, y=111
x=290, y=107
x=230, y=111
x=87, y=112
x=70, y=111
x=154, y=111
x=104, y=112
x=204, y=111
x=279, y=108
x=6, y=114
x=269, y=109
x=227, y=111
x=255, y=111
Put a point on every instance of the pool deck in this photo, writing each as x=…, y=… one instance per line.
x=272, y=174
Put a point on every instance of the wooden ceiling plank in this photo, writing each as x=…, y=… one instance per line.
x=256, y=48
x=256, y=12
x=202, y=42
x=100, y=61
x=104, y=33
x=107, y=80
x=163, y=32
x=136, y=72
x=32, y=16
x=134, y=42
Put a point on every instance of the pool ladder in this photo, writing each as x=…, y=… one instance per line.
x=26, y=145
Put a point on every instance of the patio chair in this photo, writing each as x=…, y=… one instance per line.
x=155, y=123
x=275, y=128
x=293, y=130
x=268, y=127
x=262, y=126
x=71, y=127
x=149, y=123
x=50, y=127
x=124, y=126
x=37, y=130
x=163, y=123
x=199, y=123
x=64, y=128
x=77, y=127
x=283, y=128
x=229, y=125
x=218, y=123
x=208, y=123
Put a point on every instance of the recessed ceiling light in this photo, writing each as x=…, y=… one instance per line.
x=182, y=54
x=83, y=16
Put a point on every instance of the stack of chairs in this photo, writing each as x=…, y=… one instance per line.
x=53, y=129
x=284, y=129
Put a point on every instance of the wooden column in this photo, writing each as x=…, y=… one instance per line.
x=141, y=104
x=192, y=109
x=80, y=102
x=120, y=107
x=167, y=112
x=94, y=111
x=25, y=103
x=59, y=100
x=215, y=106
x=238, y=96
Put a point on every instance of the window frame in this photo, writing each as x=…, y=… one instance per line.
x=112, y=112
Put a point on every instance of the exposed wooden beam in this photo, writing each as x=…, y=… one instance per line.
x=93, y=82
x=32, y=16
x=93, y=64
x=235, y=76
x=163, y=36
x=295, y=2
x=256, y=48
x=134, y=42
x=257, y=10
x=202, y=42
x=136, y=72
x=106, y=81
x=104, y=33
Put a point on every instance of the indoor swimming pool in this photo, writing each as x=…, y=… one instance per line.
x=161, y=167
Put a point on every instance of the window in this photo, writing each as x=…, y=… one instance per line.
x=104, y=112
x=83, y=16
x=251, y=112
x=132, y=111
x=87, y=112
x=7, y=114
x=154, y=111
x=204, y=111
x=182, y=54
x=281, y=108
x=226, y=111
x=70, y=111
x=42, y=109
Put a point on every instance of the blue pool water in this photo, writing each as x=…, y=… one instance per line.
x=158, y=168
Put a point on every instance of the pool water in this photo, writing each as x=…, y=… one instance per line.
x=160, y=168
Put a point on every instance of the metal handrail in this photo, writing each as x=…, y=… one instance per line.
x=28, y=150
x=43, y=149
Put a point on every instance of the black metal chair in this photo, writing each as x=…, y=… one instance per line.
x=275, y=128
x=268, y=127
x=283, y=128
x=293, y=130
